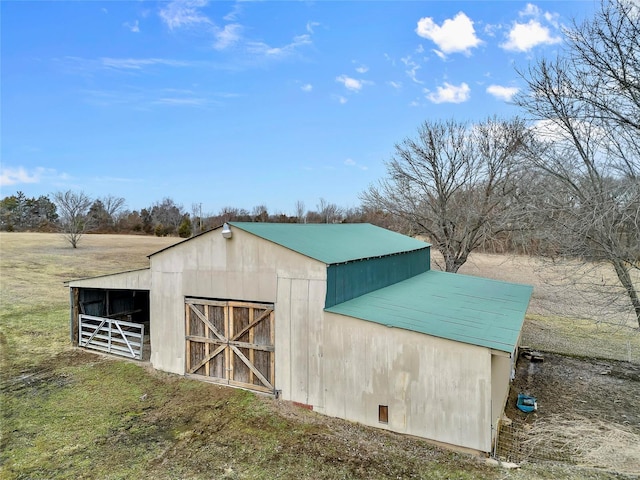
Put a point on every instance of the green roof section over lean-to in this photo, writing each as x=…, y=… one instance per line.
x=333, y=243
x=473, y=310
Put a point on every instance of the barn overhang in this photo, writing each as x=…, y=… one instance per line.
x=473, y=310
x=139, y=279
x=102, y=308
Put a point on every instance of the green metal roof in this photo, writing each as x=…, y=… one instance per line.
x=333, y=243
x=473, y=310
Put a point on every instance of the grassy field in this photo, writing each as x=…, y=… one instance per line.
x=68, y=413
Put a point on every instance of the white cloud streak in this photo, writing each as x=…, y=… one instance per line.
x=349, y=162
x=263, y=49
x=311, y=26
x=133, y=27
x=140, y=63
x=228, y=36
x=184, y=13
x=20, y=175
x=412, y=69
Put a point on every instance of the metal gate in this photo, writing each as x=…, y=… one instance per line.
x=231, y=343
x=111, y=336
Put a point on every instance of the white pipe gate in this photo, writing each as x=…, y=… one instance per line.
x=111, y=336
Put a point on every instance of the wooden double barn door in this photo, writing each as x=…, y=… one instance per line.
x=231, y=343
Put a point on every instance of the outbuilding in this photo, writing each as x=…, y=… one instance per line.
x=348, y=320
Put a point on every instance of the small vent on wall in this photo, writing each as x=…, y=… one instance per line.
x=383, y=413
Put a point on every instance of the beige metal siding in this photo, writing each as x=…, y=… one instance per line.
x=500, y=382
x=133, y=280
x=434, y=388
x=244, y=267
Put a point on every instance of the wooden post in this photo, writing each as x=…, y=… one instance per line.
x=228, y=314
x=272, y=355
x=188, y=331
x=207, y=365
x=74, y=301
x=252, y=356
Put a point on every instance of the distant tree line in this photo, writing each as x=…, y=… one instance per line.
x=76, y=213
x=20, y=213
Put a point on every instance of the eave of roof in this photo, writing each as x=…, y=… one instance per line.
x=104, y=276
x=472, y=310
x=334, y=243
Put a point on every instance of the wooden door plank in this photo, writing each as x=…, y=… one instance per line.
x=207, y=359
x=245, y=360
x=204, y=319
x=252, y=356
x=251, y=324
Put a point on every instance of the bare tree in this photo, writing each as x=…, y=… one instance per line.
x=167, y=216
x=453, y=183
x=329, y=212
x=300, y=211
x=113, y=206
x=72, y=213
x=197, y=222
x=259, y=213
x=587, y=104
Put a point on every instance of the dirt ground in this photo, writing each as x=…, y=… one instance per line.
x=587, y=413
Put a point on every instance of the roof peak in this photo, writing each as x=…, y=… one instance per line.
x=333, y=243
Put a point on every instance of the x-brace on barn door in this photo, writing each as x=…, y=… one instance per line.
x=231, y=342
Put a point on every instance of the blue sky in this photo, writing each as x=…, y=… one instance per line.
x=248, y=103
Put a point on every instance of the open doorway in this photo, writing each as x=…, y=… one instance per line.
x=112, y=321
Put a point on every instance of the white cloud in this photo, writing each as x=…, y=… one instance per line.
x=307, y=87
x=455, y=35
x=139, y=63
x=530, y=10
x=146, y=98
x=260, y=48
x=396, y=85
x=352, y=84
x=412, y=68
x=181, y=102
x=449, y=93
x=341, y=100
x=502, y=93
x=440, y=54
x=184, y=13
x=133, y=27
x=234, y=13
x=349, y=162
x=362, y=69
x=20, y=175
x=228, y=36
x=311, y=26
x=524, y=36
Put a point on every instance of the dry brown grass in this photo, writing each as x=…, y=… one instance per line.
x=34, y=266
x=587, y=441
x=575, y=309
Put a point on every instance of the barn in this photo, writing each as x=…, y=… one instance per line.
x=348, y=320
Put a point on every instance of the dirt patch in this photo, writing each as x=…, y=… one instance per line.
x=587, y=412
